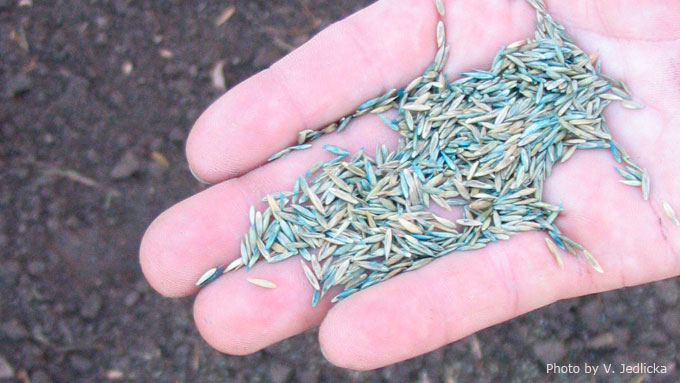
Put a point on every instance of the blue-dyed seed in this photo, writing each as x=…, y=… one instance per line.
x=285, y=227
x=304, y=253
x=279, y=154
x=418, y=173
x=370, y=175
x=635, y=172
x=369, y=103
x=282, y=256
x=344, y=294
x=338, y=151
x=448, y=161
x=615, y=152
x=388, y=122
x=209, y=276
x=370, y=265
x=315, y=297
x=300, y=147
x=626, y=175
x=343, y=123
x=555, y=237
x=480, y=75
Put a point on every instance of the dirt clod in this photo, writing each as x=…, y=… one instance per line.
x=91, y=306
x=14, y=330
x=126, y=166
x=6, y=369
x=549, y=351
x=18, y=85
x=40, y=376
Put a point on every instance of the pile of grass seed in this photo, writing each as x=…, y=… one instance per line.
x=484, y=143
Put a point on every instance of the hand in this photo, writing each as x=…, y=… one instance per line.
x=382, y=47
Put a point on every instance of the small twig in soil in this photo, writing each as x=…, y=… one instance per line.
x=283, y=45
x=73, y=176
x=225, y=15
x=19, y=36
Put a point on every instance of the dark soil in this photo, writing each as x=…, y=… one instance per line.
x=89, y=91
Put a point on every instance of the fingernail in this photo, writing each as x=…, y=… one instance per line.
x=324, y=355
x=196, y=177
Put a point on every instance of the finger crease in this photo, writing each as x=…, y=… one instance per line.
x=278, y=77
x=357, y=33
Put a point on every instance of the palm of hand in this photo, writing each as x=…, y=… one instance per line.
x=457, y=294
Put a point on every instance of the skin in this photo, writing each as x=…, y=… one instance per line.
x=385, y=46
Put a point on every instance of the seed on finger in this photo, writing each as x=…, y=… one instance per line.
x=262, y=283
x=209, y=276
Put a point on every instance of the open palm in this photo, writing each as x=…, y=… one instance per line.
x=383, y=47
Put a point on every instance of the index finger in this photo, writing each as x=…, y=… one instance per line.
x=376, y=49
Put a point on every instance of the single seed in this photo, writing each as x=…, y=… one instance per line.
x=670, y=213
x=388, y=242
x=440, y=33
x=632, y=105
x=209, y=276
x=343, y=196
x=592, y=261
x=279, y=154
x=468, y=222
x=554, y=252
x=440, y=7
x=635, y=183
x=645, y=184
x=409, y=226
x=262, y=283
x=234, y=265
x=310, y=276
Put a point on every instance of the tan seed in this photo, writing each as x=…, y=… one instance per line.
x=670, y=212
x=262, y=283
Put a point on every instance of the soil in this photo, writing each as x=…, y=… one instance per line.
x=96, y=99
